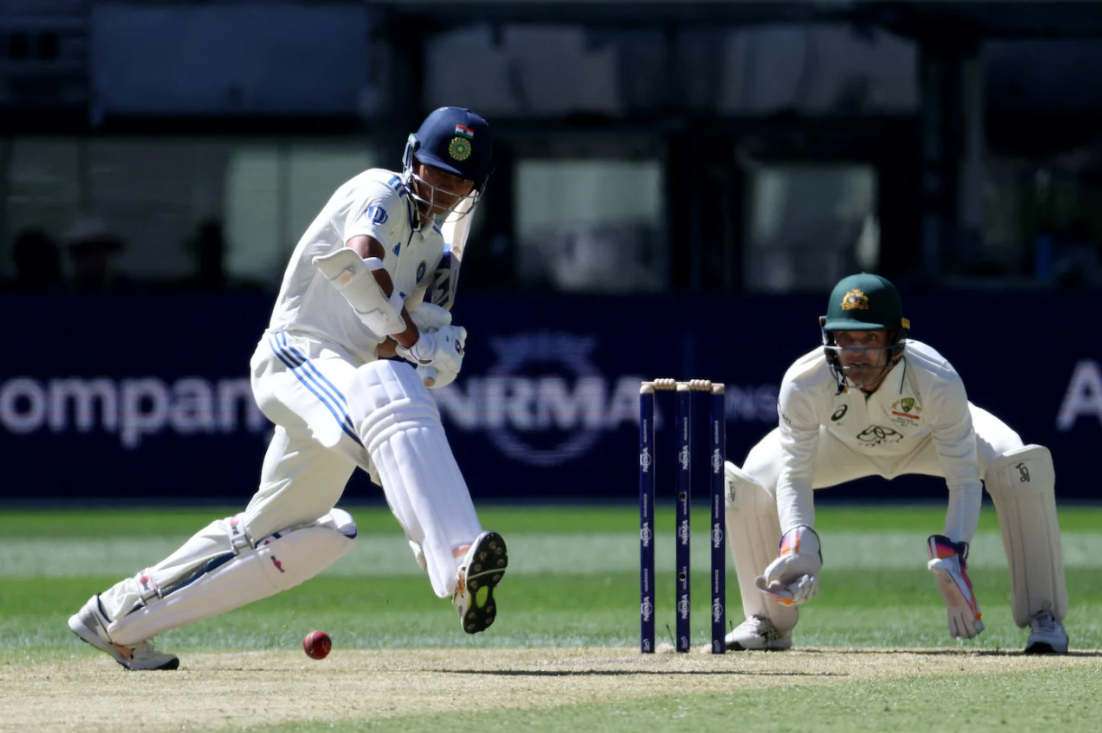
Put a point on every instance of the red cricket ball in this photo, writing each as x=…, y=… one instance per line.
x=317, y=645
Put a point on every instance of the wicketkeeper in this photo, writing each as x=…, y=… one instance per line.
x=871, y=402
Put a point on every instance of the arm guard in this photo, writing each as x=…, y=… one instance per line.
x=353, y=277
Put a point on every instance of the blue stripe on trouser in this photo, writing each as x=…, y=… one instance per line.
x=312, y=373
x=298, y=361
x=308, y=380
x=332, y=390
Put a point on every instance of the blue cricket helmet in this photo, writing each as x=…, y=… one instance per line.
x=455, y=140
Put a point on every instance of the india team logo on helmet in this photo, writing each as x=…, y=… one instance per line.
x=855, y=299
x=460, y=146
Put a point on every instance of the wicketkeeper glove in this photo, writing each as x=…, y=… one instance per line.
x=792, y=578
x=949, y=563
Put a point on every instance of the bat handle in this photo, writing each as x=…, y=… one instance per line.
x=428, y=376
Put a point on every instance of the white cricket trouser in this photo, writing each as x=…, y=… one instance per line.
x=301, y=385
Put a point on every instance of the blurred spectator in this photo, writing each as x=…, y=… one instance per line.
x=208, y=247
x=37, y=262
x=92, y=246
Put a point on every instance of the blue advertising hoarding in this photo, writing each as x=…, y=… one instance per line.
x=145, y=398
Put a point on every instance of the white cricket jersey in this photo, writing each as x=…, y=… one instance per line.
x=375, y=204
x=923, y=396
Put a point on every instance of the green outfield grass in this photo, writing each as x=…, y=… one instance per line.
x=573, y=582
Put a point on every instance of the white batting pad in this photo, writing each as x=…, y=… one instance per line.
x=219, y=570
x=1022, y=484
x=754, y=535
x=399, y=423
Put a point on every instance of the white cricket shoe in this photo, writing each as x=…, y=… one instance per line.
x=90, y=624
x=758, y=633
x=1047, y=635
x=481, y=571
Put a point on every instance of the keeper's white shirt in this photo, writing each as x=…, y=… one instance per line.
x=376, y=204
x=921, y=401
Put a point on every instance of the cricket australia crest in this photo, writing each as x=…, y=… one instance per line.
x=906, y=411
x=855, y=300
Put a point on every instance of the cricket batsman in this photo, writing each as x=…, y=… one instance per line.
x=367, y=280
x=871, y=402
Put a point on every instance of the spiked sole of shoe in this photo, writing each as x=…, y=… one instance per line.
x=488, y=563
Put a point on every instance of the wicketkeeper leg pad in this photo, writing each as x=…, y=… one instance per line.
x=754, y=534
x=1022, y=484
x=219, y=569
